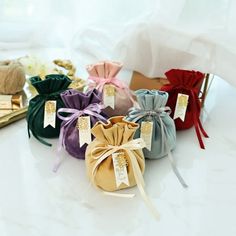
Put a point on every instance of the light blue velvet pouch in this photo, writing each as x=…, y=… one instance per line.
x=152, y=109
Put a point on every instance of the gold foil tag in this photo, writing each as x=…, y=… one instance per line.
x=109, y=96
x=84, y=126
x=5, y=102
x=50, y=113
x=181, y=106
x=120, y=168
x=146, y=133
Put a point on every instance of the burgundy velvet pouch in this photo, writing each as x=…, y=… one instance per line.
x=189, y=83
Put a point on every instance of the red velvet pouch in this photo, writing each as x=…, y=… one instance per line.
x=189, y=83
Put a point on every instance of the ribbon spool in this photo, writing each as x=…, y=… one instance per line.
x=12, y=77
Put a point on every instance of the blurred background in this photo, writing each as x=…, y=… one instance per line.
x=149, y=36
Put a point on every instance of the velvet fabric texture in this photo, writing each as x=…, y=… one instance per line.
x=78, y=101
x=116, y=132
x=106, y=73
x=48, y=89
x=152, y=107
x=186, y=82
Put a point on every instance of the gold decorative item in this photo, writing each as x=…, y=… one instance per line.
x=109, y=90
x=183, y=101
x=30, y=66
x=122, y=161
x=77, y=83
x=82, y=123
x=50, y=107
x=146, y=127
x=35, y=66
x=19, y=106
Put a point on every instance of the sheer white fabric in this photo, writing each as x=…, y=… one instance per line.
x=150, y=36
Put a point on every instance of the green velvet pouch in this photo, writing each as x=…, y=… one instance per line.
x=48, y=89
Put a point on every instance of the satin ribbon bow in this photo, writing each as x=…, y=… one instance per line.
x=136, y=114
x=102, y=152
x=100, y=82
x=91, y=110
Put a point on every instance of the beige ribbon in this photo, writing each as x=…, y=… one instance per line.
x=128, y=148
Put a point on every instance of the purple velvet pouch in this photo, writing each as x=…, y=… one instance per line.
x=78, y=104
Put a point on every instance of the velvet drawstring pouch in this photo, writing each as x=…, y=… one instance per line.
x=114, y=159
x=41, y=115
x=117, y=97
x=77, y=105
x=153, y=116
x=115, y=133
x=157, y=128
x=183, y=93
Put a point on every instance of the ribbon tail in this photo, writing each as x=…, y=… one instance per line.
x=100, y=87
x=101, y=158
x=57, y=163
x=59, y=149
x=202, y=129
x=197, y=123
x=140, y=183
x=124, y=195
x=28, y=129
x=199, y=135
x=41, y=140
x=176, y=171
x=31, y=117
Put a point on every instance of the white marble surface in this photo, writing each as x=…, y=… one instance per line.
x=34, y=201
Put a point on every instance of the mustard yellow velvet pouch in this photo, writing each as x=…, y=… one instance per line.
x=114, y=140
x=114, y=160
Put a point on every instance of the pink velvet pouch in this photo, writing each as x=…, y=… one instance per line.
x=117, y=98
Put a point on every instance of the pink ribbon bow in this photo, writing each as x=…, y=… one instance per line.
x=100, y=82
